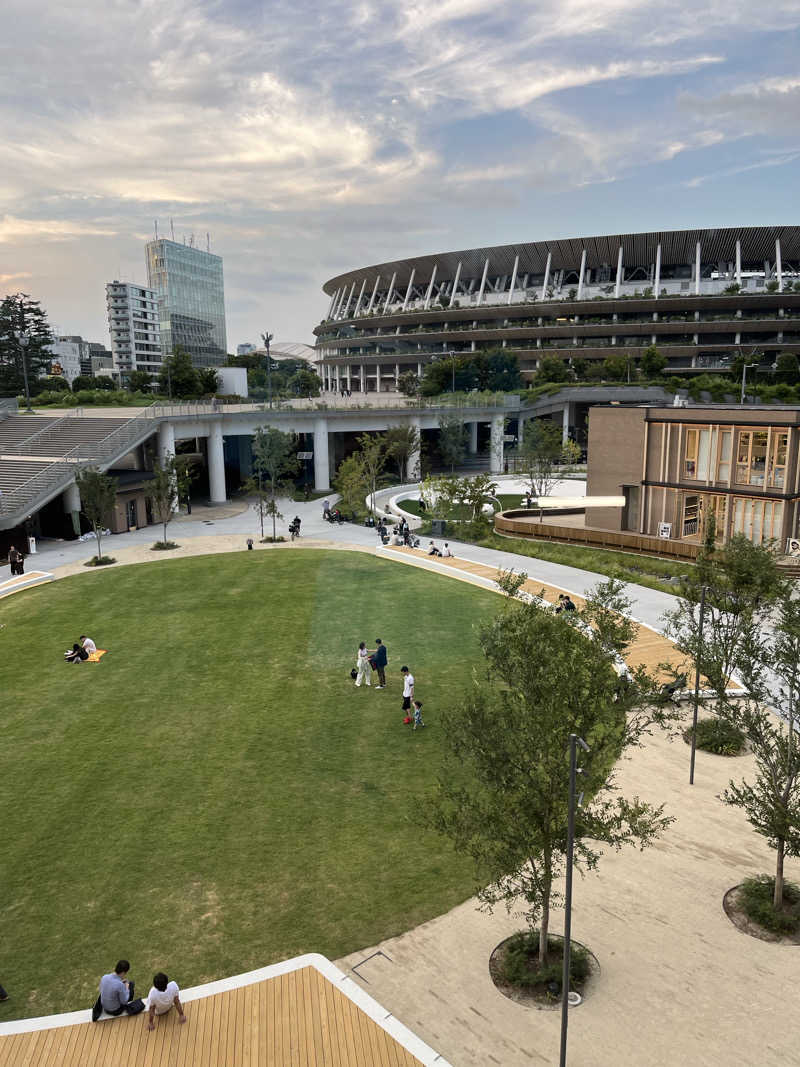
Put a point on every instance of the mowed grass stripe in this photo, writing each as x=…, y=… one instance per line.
x=216, y=795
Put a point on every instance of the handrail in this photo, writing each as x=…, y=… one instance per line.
x=26, y=443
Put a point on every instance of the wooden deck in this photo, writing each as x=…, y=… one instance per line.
x=301, y=1017
x=649, y=649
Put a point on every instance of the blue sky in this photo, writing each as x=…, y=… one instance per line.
x=310, y=138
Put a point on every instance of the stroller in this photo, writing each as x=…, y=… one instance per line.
x=294, y=527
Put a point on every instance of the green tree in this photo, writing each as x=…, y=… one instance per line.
x=162, y=491
x=452, y=440
x=102, y=382
x=207, y=381
x=474, y=494
x=616, y=368
x=98, y=492
x=53, y=383
x=544, y=456
x=503, y=794
x=652, y=362
x=83, y=381
x=552, y=369
x=177, y=377
x=20, y=314
x=350, y=482
x=771, y=678
x=504, y=375
x=274, y=463
x=579, y=367
x=138, y=381
x=402, y=443
x=408, y=383
x=304, y=383
x=372, y=448
x=787, y=369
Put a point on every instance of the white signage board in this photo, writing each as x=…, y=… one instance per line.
x=665, y=530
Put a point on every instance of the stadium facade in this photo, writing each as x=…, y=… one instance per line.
x=700, y=296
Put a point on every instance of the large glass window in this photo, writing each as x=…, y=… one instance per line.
x=751, y=457
x=698, y=450
x=724, y=456
x=777, y=460
x=758, y=520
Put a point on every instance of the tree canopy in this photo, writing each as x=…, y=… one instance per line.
x=18, y=313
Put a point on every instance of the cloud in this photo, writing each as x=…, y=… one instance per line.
x=15, y=229
x=6, y=278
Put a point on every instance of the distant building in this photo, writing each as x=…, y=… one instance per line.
x=70, y=354
x=191, y=300
x=245, y=349
x=134, y=328
x=100, y=362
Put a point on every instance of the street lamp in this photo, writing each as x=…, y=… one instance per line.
x=703, y=592
x=745, y=367
x=574, y=771
x=23, y=340
x=266, y=338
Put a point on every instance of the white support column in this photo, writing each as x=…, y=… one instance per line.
x=408, y=287
x=455, y=284
x=377, y=377
x=390, y=293
x=397, y=377
x=473, y=438
x=330, y=306
x=374, y=293
x=697, y=270
x=738, y=262
x=619, y=273
x=363, y=378
x=483, y=281
x=166, y=440
x=357, y=308
x=338, y=380
x=322, y=473
x=778, y=264
x=347, y=303
x=347, y=376
x=413, y=462
x=71, y=498
x=513, y=279
x=657, y=279
x=338, y=310
x=546, y=275
x=565, y=423
x=496, y=445
x=216, y=464
x=582, y=274
x=430, y=287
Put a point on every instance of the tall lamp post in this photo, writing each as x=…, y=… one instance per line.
x=266, y=338
x=574, y=771
x=23, y=340
x=745, y=368
x=697, y=679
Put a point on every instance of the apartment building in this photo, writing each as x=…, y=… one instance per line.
x=133, y=324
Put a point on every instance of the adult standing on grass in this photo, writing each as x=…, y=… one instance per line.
x=408, y=688
x=381, y=659
x=363, y=669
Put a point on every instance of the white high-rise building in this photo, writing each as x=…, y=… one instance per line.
x=133, y=324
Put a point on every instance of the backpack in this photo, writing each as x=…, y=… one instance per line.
x=354, y=673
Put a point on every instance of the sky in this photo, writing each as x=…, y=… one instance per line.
x=311, y=137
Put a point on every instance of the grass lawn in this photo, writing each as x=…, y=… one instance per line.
x=215, y=795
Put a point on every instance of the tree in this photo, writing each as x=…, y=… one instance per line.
x=372, y=448
x=552, y=369
x=163, y=491
x=207, y=381
x=83, y=381
x=617, y=367
x=304, y=383
x=541, y=453
x=787, y=369
x=652, y=362
x=139, y=381
x=53, y=383
x=98, y=493
x=452, y=440
x=401, y=444
x=177, y=376
x=772, y=801
x=408, y=383
x=504, y=375
x=102, y=381
x=742, y=585
x=503, y=794
x=18, y=313
x=274, y=463
x=475, y=493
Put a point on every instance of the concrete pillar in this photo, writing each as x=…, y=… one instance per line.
x=778, y=265
x=618, y=283
x=377, y=377
x=546, y=275
x=582, y=275
x=166, y=440
x=455, y=284
x=363, y=379
x=496, y=447
x=426, y=305
x=473, y=438
x=738, y=262
x=71, y=498
x=657, y=278
x=413, y=468
x=322, y=473
x=216, y=465
x=697, y=270
x=513, y=279
x=565, y=423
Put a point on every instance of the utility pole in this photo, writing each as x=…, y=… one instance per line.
x=23, y=339
x=266, y=338
x=574, y=771
x=697, y=680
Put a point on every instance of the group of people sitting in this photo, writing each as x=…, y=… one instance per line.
x=81, y=651
x=117, y=996
x=564, y=604
x=434, y=550
x=401, y=534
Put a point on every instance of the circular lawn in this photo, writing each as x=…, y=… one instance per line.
x=215, y=794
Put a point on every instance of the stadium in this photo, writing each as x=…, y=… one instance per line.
x=700, y=296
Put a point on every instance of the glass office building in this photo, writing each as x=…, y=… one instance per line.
x=191, y=300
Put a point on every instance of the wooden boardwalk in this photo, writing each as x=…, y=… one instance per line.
x=300, y=1018
x=649, y=649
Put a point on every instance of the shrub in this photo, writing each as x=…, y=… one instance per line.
x=521, y=965
x=102, y=561
x=164, y=546
x=718, y=736
x=755, y=900
x=273, y=540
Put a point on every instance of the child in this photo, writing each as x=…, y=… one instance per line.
x=418, y=714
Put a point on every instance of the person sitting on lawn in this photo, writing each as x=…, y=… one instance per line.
x=88, y=644
x=76, y=654
x=161, y=999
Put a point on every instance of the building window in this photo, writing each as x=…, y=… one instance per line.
x=724, y=456
x=777, y=460
x=759, y=520
x=698, y=450
x=751, y=461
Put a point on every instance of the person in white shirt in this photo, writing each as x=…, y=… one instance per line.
x=408, y=688
x=88, y=644
x=363, y=669
x=161, y=999
x=446, y=553
x=433, y=550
